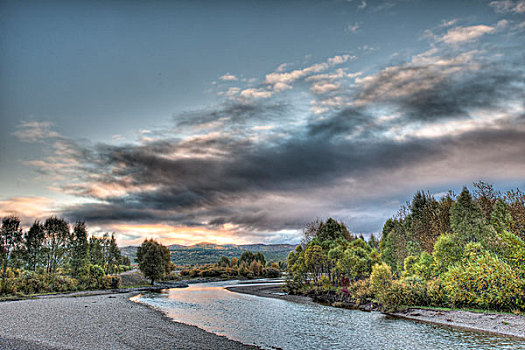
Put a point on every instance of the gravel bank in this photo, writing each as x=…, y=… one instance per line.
x=98, y=322
x=270, y=291
x=504, y=324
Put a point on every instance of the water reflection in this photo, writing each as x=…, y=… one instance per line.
x=274, y=323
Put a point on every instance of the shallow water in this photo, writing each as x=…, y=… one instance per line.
x=274, y=323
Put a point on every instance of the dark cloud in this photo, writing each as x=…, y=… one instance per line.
x=277, y=179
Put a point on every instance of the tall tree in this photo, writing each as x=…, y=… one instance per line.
x=485, y=196
x=10, y=240
x=421, y=221
x=57, y=239
x=114, y=255
x=467, y=221
x=515, y=199
x=33, y=241
x=96, y=251
x=79, y=249
x=500, y=218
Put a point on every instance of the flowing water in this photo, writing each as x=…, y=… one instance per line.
x=274, y=323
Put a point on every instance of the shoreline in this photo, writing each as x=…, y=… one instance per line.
x=499, y=324
x=103, y=321
x=269, y=291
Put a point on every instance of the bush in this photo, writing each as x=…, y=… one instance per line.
x=381, y=281
x=360, y=292
x=61, y=283
x=111, y=282
x=272, y=272
x=415, y=292
x=486, y=282
x=436, y=293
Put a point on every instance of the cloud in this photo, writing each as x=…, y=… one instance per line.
x=256, y=93
x=28, y=208
x=228, y=77
x=352, y=28
x=459, y=35
x=257, y=166
x=506, y=6
x=280, y=81
x=35, y=131
x=320, y=88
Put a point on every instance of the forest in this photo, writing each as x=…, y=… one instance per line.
x=55, y=256
x=458, y=251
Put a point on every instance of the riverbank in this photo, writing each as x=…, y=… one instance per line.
x=502, y=324
x=104, y=321
x=270, y=291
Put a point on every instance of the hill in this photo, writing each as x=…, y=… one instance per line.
x=207, y=253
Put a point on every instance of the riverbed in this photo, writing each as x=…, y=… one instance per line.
x=274, y=323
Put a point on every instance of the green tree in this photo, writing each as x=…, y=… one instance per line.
x=154, y=261
x=500, y=218
x=96, y=251
x=79, y=249
x=515, y=200
x=224, y=262
x=467, y=221
x=57, y=238
x=446, y=253
x=314, y=259
x=485, y=196
x=10, y=240
x=114, y=255
x=33, y=242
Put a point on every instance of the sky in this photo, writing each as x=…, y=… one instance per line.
x=241, y=121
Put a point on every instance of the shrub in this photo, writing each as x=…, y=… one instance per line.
x=486, y=282
x=415, y=292
x=61, y=283
x=436, y=293
x=272, y=272
x=381, y=280
x=360, y=292
x=111, y=282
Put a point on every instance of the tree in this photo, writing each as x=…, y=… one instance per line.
x=500, y=218
x=373, y=242
x=224, y=261
x=485, y=196
x=153, y=260
x=421, y=221
x=10, y=240
x=467, y=221
x=96, y=251
x=79, y=249
x=247, y=257
x=114, y=255
x=446, y=253
x=515, y=200
x=57, y=238
x=33, y=241
x=314, y=259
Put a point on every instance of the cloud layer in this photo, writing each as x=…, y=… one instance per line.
x=316, y=140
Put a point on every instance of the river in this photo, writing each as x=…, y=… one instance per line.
x=274, y=323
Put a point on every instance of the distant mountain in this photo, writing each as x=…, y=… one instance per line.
x=207, y=253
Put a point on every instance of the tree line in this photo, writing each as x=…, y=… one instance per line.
x=55, y=255
x=461, y=251
x=249, y=265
